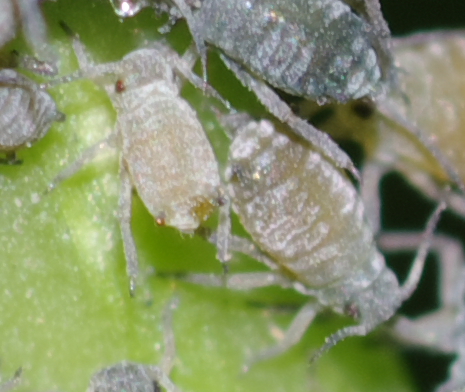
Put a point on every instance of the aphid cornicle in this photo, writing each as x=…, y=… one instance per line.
x=135, y=377
x=27, y=112
x=307, y=219
x=165, y=154
x=433, y=86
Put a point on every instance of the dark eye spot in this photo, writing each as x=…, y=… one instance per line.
x=120, y=86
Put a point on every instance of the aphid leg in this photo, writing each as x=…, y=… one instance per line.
x=125, y=213
x=161, y=373
x=170, y=347
x=282, y=111
x=293, y=335
x=405, y=291
x=87, y=156
x=223, y=234
x=184, y=67
x=197, y=35
x=162, y=378
x=13, y=383
x=372, y=173
x=419, y=262
x=247, y=247
x=436, y=328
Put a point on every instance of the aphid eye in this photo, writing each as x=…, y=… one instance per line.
x=363, y=108
x=161, y=219
x=120, y=86
x=351, y=309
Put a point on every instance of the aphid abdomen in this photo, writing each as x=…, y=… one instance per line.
x=314, y=49
x=300, y=210
x=170, y=159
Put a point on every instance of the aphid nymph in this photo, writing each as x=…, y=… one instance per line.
x=307, y=219
x=164, y=152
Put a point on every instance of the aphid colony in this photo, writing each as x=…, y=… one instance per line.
x=285, y=179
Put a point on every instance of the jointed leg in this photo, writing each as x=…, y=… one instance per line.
x=125, y=208
x=87, y=156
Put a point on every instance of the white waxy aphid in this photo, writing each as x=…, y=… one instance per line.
x=25, y=14
x=128, y=376
x=307, y=220
x=433, y=101
x=165, y=154
x=7, y=386
x=27, y=112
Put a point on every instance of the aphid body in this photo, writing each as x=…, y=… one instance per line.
x=164, y=152
x=27, y=112
x=318, y=49
x=135, y=377
x=307, y=219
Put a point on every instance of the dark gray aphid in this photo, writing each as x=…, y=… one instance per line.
x=307, y=220
x=27, y=112
x=135, y=377
x=164, y=152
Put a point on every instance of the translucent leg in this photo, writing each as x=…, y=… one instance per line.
x=125, y=208
x=87, y=156
x=293, y=335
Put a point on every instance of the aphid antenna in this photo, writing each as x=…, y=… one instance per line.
x=170, y=348
x=415, y=272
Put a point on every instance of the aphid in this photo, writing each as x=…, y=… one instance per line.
x=164, y=152
x=307, y=220
x=135, y=377
x=433, y=85
x=25, y=14
x=27, y=112
x=442, y=329
x=12, y=383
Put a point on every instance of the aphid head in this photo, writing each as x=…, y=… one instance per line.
x=372, y=306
